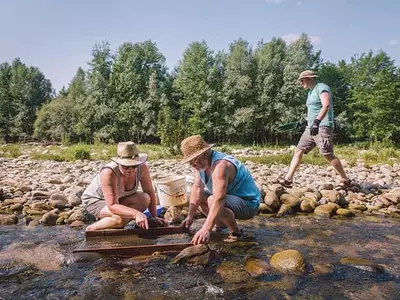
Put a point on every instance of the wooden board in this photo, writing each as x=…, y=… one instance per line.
x=129, y=251
x=151, y=232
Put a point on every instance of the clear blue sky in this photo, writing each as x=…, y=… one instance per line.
x=58, y=35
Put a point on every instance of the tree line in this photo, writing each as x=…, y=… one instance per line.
x=239, y=95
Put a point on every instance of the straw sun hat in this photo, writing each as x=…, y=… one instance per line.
x=307, y=74
x=192, y=147
x=128, y=155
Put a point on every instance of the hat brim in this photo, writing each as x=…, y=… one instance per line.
x=197, y=153
x=305, y=77
x=129, y=162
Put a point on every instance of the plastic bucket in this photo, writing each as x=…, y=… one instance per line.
x=189, y=182
x=171, y=190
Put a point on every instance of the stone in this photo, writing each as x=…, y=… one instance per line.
x=289, y=261
x=285, y=210
x=190, y=252
x=58, y=200
x=272, y=200
x=345, y=212
x=256, y=267
x=290, y=200
x=326, y=210
x=8, y=219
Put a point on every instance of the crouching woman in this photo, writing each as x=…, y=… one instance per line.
x=113, y=196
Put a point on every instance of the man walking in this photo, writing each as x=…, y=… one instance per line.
x=319, y=131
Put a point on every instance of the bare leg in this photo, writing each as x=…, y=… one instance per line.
x=225, y=216
x=335, y=162
x=139, y=201
x=294, y=164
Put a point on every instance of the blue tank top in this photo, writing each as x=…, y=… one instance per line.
x=243, y=185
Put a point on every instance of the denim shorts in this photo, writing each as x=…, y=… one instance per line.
x=240, y=207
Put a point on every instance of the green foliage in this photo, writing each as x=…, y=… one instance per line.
x=10, y=150
x=81, y=154
x=235, y=97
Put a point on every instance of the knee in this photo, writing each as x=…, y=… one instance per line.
x=298, y=152
x=210, y=200
x=118, y=221
x=146, y=199
x=329, y=157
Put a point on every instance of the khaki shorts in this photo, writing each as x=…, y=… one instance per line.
x=323, y=140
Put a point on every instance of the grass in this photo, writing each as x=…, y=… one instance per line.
x=370, y=154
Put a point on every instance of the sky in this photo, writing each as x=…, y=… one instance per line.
x=57, y=36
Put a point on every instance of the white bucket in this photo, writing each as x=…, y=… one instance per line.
x=189, y=183
x=171, y=191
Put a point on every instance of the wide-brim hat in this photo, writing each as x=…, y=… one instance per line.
x=307, y=74
x=192, y=147
x=128, y=155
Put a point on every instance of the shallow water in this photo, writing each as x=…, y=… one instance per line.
x=37, y=263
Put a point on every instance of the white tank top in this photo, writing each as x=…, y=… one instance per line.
x=94, y=193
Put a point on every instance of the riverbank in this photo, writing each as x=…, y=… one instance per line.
x=48, y=192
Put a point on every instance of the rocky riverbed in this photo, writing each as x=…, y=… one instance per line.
x=48, y=192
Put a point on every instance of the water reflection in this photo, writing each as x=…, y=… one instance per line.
x=39, y=264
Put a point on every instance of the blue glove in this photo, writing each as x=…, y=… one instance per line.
x=315, y=127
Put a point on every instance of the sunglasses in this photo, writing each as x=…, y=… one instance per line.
x=127, y=167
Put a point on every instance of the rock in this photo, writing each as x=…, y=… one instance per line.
x=288, y=261
x=232, y=272
x=190, y=252
x=41, y=194
x=74, y=200
x=77, y=215
x=362, y=264
x=297, y=193
x=326, y=210
x=384, y=201
x=334, y=196
x=8, y=219
x=285, y=210
x=360, y=207
x=49, y=219
x=265, y=209
x=345, y=212
x=305, y=206
x=392, y=197
x=277, y=189
x=290, y=200
x=272, y=200
x=40, y=206
x=77, y=224
x=58, y=200
x=16, y=207
x=256, y=267
x=312, y=195
x=174, y=215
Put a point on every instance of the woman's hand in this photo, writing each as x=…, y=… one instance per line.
x=141, y=220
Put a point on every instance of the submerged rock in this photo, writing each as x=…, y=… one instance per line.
x=289, y=261
x=189, y=253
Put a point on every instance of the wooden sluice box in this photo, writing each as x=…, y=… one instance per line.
x=136, y=241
